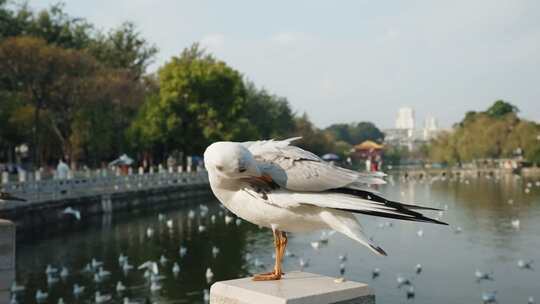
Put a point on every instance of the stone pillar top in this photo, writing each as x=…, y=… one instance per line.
x=293, y=288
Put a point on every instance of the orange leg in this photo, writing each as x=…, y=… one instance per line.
x=280, y=241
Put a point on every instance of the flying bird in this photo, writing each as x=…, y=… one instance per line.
x=283, y=187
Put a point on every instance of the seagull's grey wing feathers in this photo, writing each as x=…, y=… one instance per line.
x=299, y=170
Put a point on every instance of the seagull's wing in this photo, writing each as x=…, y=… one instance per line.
x=296, y=169
x=292, y=177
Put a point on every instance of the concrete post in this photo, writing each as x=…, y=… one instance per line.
x=7, y=258
x=294, y=287
x=189, y=164
x=5, y=178
x=180, y=169
x=22, y=176
x=141, y=171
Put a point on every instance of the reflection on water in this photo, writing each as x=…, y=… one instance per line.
x=494, y=223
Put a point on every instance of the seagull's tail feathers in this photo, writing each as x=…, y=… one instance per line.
x=363, y=202
x=348, y=225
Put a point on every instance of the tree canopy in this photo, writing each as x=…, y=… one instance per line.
x=494, y=133
x=356, y=133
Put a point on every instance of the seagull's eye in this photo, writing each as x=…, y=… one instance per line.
x=220, y=168
x=242, y=169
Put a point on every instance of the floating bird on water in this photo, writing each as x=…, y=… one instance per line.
x=209, y=275
x=77, y=290
x=122, y=259
x=150, y=266
x=41, y=296
x=418, y=268
x=101, y=298
x=480, y=276
x=176, y=268
x=275, y=185
x=402, y=281
x=410, y=292
x=375, y=273
x=71, y=211
x=489, y=297
x=215, y=251
x=4, y=196
x=103, y=273
x=149, y=232
x=64, y=273
x=201, y=228
x=49, y=270
x=182, y=251
x=342, y=269
x=51, y=280
x=95, y=263
x=120, y=287
x=525, y=264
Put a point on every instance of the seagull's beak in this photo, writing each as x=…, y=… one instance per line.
x=8, y=197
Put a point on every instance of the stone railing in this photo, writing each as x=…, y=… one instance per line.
x=97, y=182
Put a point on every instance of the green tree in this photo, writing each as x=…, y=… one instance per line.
x=201, y=100
x=270, y=115
x=313, y=139
x=356, y=133
x=124, y=47
x=53, y=25
x=495, y=133
x=500, y=108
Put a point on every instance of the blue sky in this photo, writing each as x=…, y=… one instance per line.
x=344, y=61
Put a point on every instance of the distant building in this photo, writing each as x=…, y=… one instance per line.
x=406, y=135
x=431, y=128
x=405, y=118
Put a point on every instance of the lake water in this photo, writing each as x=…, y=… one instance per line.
x=482, y=208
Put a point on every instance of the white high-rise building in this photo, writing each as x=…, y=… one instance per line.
x=431, y=128
x=431, y=124
x=405, y=118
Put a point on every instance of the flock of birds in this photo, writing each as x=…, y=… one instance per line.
x=155, y=271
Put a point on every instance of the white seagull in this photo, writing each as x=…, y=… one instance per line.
x=276, y=185
x=73, y=212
